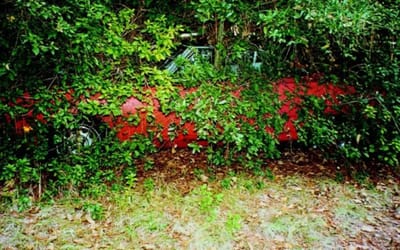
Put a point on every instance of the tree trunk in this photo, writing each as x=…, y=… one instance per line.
x=219, y=45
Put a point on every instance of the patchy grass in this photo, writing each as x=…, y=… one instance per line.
x=289, y=212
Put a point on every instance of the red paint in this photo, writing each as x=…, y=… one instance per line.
x=291, y=95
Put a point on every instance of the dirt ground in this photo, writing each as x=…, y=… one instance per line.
x=181, y=167
x=380, y=231
x=300, y=201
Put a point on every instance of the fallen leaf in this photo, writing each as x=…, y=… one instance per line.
x=70, y=217
x=81, y=241
x=296, y=188
x=78, y=215
x=149, y=247
x=89, y=219
x=42, y=236
x=203, y=178
x=50, y=247
x=368, y=228
x=397, y=213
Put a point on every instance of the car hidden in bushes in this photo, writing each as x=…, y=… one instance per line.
x=290, y=92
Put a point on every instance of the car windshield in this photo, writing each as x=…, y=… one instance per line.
x=189, y=54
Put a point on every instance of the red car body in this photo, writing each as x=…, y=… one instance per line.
x=284, y=88
x=162, y=122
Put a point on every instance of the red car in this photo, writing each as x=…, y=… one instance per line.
x=86, y=135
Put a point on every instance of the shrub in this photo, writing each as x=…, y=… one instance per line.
x=62, y=54
x=234, y=126
x=354, y=43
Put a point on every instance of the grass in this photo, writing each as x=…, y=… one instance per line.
x=292, y=212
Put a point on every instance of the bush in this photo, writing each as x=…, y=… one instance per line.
x=354, y=43
x=234, y=125
x=63, y=53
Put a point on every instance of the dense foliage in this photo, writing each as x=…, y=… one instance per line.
x=61, y=52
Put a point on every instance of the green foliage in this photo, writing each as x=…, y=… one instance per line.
x=95, y=210
x=233, y=223
x=269, y=174
x=19, y=170
x=81, y=48
x=207, y=10
x=23, y=202
x=149, y=164
x=318, y=132
x=196, y=148
x=353, y=43
x=240, y=123
x=79, y=60
x=89, y=171
x=129, y=177
x=339, y=177
x=149, y=185
x=226, y=183
x=99, y=163
x=332, y=30
x=208, y=201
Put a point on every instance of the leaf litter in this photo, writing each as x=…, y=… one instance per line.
x=304, y=206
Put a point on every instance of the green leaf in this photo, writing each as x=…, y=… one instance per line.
x=36, y=50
